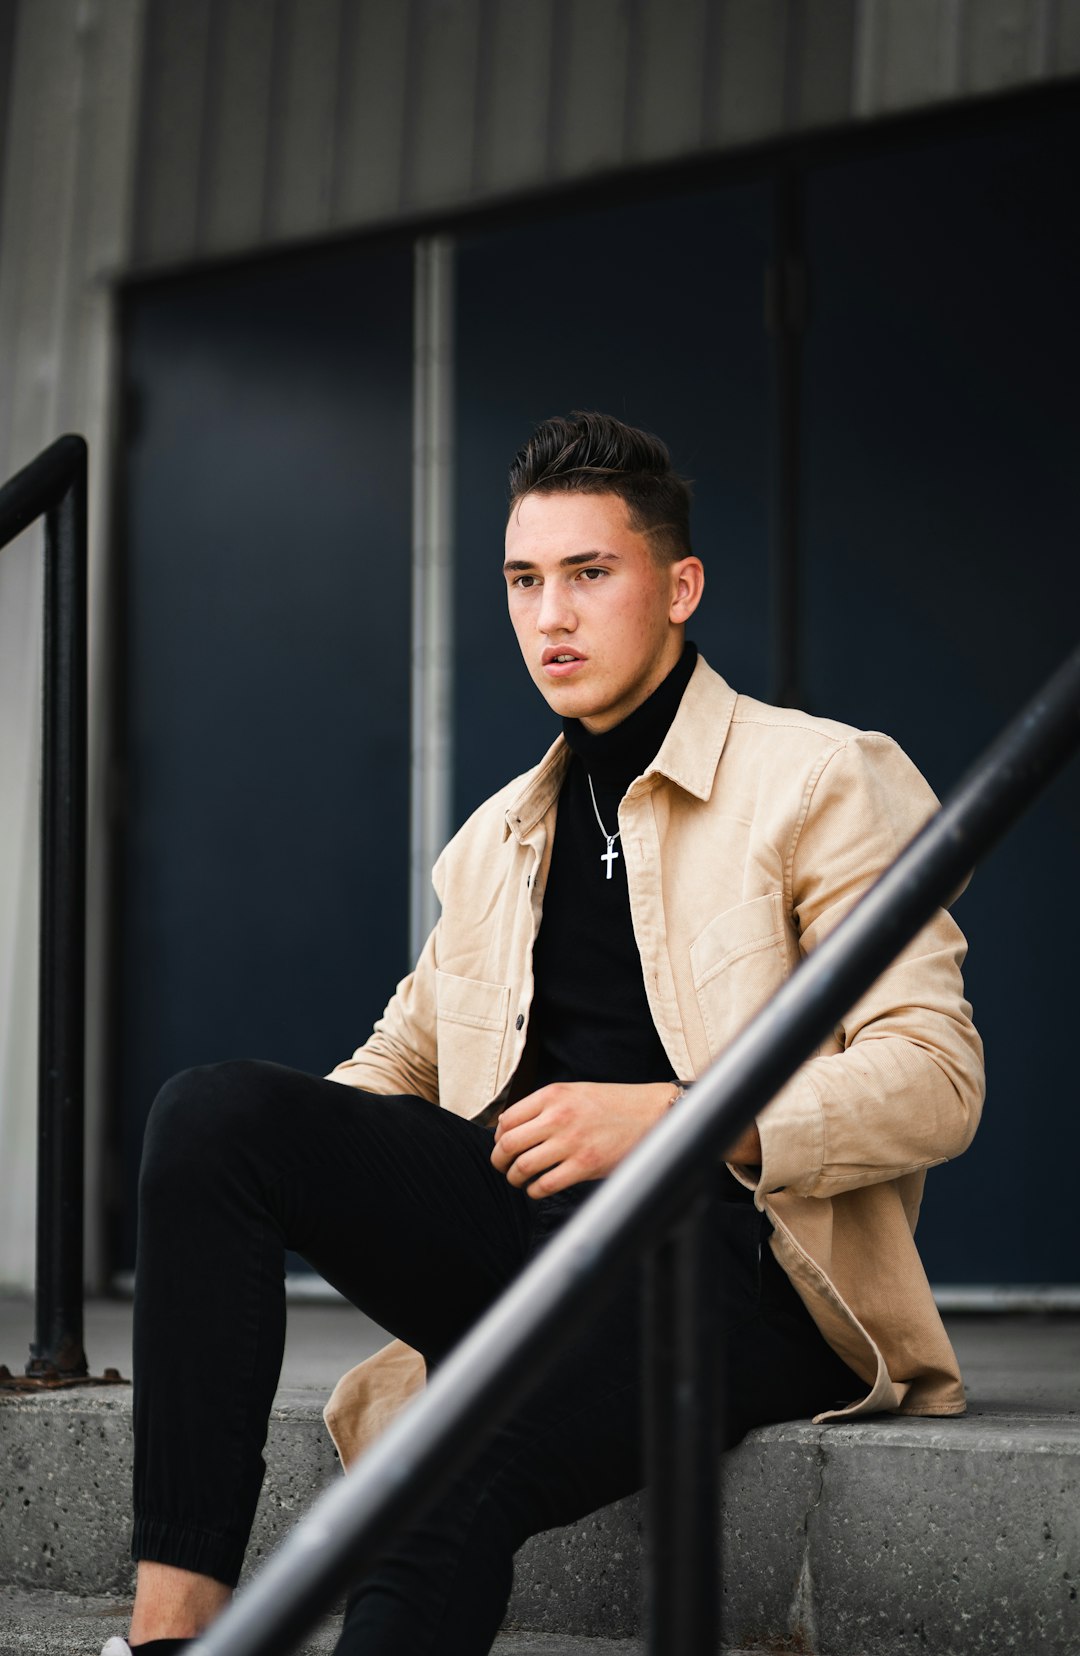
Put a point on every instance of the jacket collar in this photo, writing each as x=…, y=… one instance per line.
x=688, y=756
x=534, y=801
x=690, y=752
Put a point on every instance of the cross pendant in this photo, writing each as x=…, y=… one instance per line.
x=610, y=854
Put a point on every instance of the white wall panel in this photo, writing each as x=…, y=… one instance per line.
x=371, y=123
x=441, y=96
x=1043, y=31
x=303, y=132
x=747, y=99
x=825, y=65
x=7, y=50
x=908, y=55
x=234, y=183
x=589, y=69
x=517, y=96
x=667, y=94
x=1000, y=44
x=1064, y=32
x=174, y=123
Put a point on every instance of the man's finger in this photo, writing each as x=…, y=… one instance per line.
x=518, y=1139
x=554, y=1180
x=526, y=1109
x=532, y=1164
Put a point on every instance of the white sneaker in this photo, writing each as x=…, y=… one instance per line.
x=116, y=1647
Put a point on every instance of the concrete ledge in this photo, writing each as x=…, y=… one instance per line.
x=56, y=1624
x=62, y=1624
x=881, y=1538
x=65, y=1485
x=884, y=1538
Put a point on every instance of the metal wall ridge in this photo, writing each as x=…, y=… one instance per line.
x=270, y=121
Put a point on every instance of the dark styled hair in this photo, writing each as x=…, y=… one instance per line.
x=588, y=453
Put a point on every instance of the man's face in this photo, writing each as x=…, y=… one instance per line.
x=599, y=620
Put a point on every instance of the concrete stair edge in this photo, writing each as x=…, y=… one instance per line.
x=59, y=1624
x=876, y=1538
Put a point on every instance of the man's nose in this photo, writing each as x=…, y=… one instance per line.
x=556, y=613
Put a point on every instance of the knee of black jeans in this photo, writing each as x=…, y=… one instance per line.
x=199, y=1115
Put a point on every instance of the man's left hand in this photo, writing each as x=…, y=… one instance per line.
x=574, y=1130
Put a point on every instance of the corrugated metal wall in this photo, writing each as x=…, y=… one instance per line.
x=270, y=120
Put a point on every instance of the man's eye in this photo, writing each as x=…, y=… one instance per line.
x=524, y=581
x=593, y=574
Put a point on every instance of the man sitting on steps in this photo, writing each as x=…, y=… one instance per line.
x=610, y=920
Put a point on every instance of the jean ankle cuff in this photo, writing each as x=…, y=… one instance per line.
x=186, y=1547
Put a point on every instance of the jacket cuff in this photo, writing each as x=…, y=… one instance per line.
x=792, y=1133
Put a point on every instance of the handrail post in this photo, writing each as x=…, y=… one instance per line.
x=682, y=1410
x=58, y=1334
x=54, y=485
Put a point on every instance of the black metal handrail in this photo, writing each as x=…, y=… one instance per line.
x=644, y=1199
x=54, y=486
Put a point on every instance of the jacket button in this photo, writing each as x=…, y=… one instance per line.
x=520, y=1023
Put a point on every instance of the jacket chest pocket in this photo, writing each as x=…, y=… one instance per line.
x=740, y=960
x=471, y=1018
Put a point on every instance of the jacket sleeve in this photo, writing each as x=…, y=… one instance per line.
x=905, y=1088
x=400, y=1055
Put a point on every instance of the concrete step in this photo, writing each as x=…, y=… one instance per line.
x=58, y=1624
x=882, y=1538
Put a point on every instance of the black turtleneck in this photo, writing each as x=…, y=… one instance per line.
x=590, y=1016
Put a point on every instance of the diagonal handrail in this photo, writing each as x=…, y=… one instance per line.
x=54, y=486
x=496, y=1363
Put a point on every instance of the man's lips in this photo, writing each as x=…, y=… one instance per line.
x=557, y=663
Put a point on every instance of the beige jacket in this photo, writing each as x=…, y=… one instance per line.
x=751, y=834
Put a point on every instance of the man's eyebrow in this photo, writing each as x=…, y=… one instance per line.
x=572, y=561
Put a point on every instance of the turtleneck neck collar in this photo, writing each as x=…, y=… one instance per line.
x=617, y=755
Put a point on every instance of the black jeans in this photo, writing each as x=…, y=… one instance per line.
x=396, y=1204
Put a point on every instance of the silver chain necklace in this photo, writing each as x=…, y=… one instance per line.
x=610, y=854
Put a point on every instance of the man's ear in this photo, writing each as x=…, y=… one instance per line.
x=687, y=586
